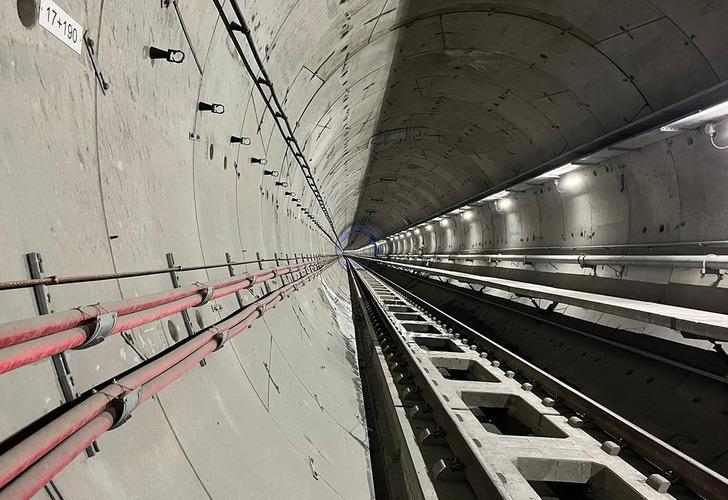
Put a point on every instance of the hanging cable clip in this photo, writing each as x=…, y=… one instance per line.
x=708, y=270
x=125, y=405
x=221, y=336
x=104, y=325
x=209, y=291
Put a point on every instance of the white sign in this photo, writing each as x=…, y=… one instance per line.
x=63, y=27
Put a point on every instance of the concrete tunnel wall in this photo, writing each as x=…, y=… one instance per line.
x=101, y=183
x=667, y=193
x=481, y=92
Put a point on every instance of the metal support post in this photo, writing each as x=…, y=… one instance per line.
x=238, y=295
x=260, y=268
x=275, y=256
x=288, y=263
x=60, y=363
x=185, y=314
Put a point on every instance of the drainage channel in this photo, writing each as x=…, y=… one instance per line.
x=473, y=426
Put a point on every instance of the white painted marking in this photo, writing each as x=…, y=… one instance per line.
x=61, y=25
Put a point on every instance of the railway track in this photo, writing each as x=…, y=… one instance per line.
x=481, y=422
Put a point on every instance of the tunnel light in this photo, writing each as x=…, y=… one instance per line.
x=417, y=231
x=569, y=182
x=557, y=172
x=444, y=222
x=496, y=196
x=468, y=215
x=503, y=204
x=428, y=227
x=712, y=114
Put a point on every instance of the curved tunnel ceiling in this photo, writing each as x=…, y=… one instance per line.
x=426, y=103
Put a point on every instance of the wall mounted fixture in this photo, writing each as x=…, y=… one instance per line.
x=214, y=108
x=503, y=204
x=712, y=129
x=245, y=141
x=169, y=55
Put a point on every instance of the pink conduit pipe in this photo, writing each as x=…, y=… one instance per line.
x=26, y=467
x=26, y=341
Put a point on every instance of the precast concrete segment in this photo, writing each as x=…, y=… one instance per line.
x=261, y=79
x=151, y=377
x=558, y=452
x=26, y=341
x=702, y=323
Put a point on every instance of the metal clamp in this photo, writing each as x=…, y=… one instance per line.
x=581, y=260
x=210, y=290
x=708, y=270
x=105, y=324
x=91, y=48
x=125, y=405
x=221, y=336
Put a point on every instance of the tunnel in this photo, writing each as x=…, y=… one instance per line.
x=364, y=249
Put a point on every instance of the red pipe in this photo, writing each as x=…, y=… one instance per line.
x=23, y=353
x=152, y=377
x=46, y=469
x=27, y=329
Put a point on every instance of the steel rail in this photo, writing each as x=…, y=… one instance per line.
x=31, y=463
x=697, y=476
x=709, y=261
x=84, y=278
x=25, y=341
x=279, y=115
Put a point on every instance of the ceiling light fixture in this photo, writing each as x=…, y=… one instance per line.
x=496, y=196
x=712, y=114
x=557, y=172
x=503, y=204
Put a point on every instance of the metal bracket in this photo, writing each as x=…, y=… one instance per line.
x=704, y=269
x=125, y=405
x=581, y=260
x=209, y=292
x=449, y=469
x=546, y=310
x=105, y=323
x=221, y=335
x=91, y=48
